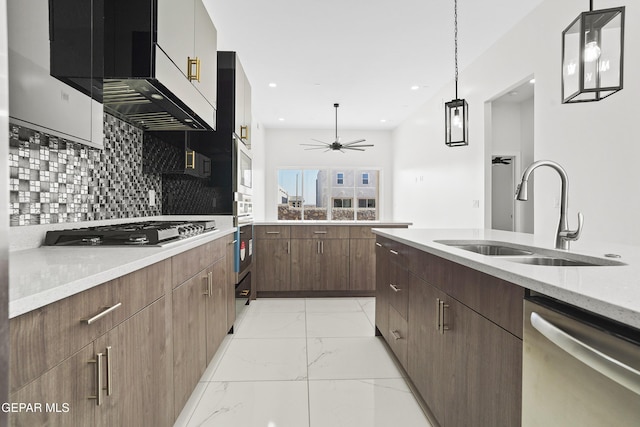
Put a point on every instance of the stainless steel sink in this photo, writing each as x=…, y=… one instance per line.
x=493, y=250
x=529, y=254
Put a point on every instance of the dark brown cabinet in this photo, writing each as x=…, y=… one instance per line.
x=319, y=265
x=273, y=258
x=462, y=353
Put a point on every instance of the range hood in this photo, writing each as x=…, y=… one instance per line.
x=142, y=83
x=171, y=153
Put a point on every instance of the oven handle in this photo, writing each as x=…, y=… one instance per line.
x=608, y=366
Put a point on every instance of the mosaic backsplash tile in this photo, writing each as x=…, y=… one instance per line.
x=52, y=180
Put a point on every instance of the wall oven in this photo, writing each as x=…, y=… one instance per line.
x=243, y=182
x=243, y=262
x=579, y=369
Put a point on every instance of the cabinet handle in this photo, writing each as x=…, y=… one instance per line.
x=442, y=306
x=193, y=69
x=319, y=232
x=189, y=159
x=98, y=362
x=395, y=334
x=378, y=245
x=318, y=247
x=233, y=243
x=288, y=247
x=322, y=248
x=273, y=232
x=108, y=356
x=438, y=314
x=393, y=252
x=394, y=287
x=104, y=312
x=244, y=132
x=244, y=293
x=210, y=283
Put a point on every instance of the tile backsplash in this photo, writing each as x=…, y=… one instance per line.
x=52, y=180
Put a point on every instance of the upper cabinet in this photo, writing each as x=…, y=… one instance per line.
x=160, y=63
x=55, y=68
x=234, y=98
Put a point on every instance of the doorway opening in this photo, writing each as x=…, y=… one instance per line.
x=510, y=150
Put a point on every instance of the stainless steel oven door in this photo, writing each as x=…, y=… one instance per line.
x=244, y=249
x=243, y=166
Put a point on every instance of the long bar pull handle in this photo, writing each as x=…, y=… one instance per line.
x=396, y=335
x=394, y=287
x=288, y=247
x=104, y=312
x=98, y=362
x=378, y=245
x=233, y=242
x=273, y=232
x=318, y=247
x=393, y=252
x=322, y=247
x=319, y=232
x=210, y=282
x=608, y=366
x=443, y=327
x=438, y=308
x=109, y=355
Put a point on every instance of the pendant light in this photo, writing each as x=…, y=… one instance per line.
x=456, y=112
x=592, y=55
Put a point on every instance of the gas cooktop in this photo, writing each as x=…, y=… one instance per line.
x=148, y=233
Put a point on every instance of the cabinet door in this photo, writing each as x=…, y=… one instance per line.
x=205, y=49
x=176, y=30
x=36, y=99
x=273, y=264
x=247, y=110
x=189, y=337
x=334, y=265
x=239, y=97
x=486, y=361
x=305, y=268
x=216, y=303
x=230, y=282
x=135, y=371
x=362, y=265
x=382, y=290
x=67, y=386
x=427, y=366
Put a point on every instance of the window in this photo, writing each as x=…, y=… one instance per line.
x=342, y=203
x=366, y=203
x=325, y=194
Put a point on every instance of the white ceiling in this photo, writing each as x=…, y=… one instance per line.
x=364, y=54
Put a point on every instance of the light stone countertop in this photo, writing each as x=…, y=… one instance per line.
x=334, y=222
x=43, y=275
x=611, y=291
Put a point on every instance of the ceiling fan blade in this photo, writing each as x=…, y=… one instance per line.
x=364, y=145
x=317, y=140
x=352, y=148
x=316, y=145
x=354, y=142
x=316, y=148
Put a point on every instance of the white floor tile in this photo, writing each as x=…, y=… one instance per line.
x=330, y=305
x=339, y=324
x=253, y=404
x=272, y=325
x=277, y=305
x=364, y=403
x=263, y=359
x=350, y=358
x=192, y=404
x=217, y=358
x=369, y=307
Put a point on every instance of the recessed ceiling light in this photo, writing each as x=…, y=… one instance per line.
x=273, y=85
x=415, y=87
x=532, y=81
x=281, y=119
x=383, y=120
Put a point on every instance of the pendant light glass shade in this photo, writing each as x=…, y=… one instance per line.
x=592, y=55
x=456, y=122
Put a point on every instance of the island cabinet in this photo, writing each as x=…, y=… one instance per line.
x=96, y=358
x=462, y=343
x=273, y=257
x=319, y=258
x=199, y=314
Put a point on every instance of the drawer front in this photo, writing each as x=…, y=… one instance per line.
x=42, y=338
x=360, y=232
x=397, y=338
x=319, y=232
x=398, y=288
x=271, y=232
x=218, y=249
x=187, y=264
x=432, y=269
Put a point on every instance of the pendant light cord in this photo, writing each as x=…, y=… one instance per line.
x=455, y=40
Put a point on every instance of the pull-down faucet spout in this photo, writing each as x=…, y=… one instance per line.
x=563, y=234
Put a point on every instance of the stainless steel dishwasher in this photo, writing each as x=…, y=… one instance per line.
x=579, y=369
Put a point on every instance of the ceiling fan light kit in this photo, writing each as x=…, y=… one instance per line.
x=336, y=145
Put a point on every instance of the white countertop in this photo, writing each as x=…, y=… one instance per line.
x=334, y=222
x=43, y=275
x=612, y=291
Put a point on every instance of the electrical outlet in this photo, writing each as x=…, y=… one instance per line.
x=476, y=203
x=152, y=198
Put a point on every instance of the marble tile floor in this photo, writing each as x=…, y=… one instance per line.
x=303, y=363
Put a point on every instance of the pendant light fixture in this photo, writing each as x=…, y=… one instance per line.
x=456, y=112
x=592, y=55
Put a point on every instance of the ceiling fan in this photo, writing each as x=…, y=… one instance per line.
x=498, y=160
x=336, y=145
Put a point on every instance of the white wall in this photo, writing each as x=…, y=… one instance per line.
x=595, y=142
x=284, y=151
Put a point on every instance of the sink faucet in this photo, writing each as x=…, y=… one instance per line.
x=563, y=234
